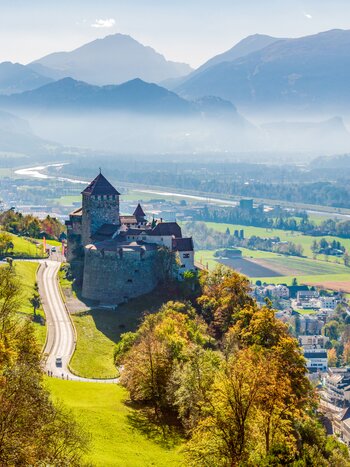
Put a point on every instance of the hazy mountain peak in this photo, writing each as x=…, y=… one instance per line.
x=246, y=46
x=113, y=59
x=15, y=78
x=287, y=76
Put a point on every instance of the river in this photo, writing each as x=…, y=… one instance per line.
x=37, y=172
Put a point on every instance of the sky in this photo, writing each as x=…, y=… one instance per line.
x=189, y=31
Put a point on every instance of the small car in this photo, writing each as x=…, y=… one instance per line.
x=53, y=249
x=58, y=361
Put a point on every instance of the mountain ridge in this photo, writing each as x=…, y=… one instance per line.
x=113, y=59
x=310, y=74
x=16, y=78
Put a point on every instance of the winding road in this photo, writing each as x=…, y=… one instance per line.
x=61, y=339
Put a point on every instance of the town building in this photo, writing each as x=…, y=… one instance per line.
x=337, y=386
x=121, y=257
x=316, y=360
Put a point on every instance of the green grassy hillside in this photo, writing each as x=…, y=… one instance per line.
x=26, y=272
x=120, y=437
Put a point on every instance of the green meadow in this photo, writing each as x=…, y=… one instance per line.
x=296, y=237
x=104, y=327
x=120, y=434
x=26, y=271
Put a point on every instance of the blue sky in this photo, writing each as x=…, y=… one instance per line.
x=184, y=30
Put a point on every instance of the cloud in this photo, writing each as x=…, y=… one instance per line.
x=307, y=15
x=103, y=23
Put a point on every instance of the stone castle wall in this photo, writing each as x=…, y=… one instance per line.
x=111, y=277
x=98, y=210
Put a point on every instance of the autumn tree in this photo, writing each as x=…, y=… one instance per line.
x=332, y=357
x=224, y=294
x=161, y=341
x=346, y=353
x=33, y=431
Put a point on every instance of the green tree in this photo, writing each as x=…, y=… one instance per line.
x=192, y=382
x=35, y=301
x=161, y=341
x=6, y=243
x=332, y=329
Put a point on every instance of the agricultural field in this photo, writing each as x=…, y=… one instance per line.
x=283, y=269
x=67, y=200
x=296, y=237
x=120, y=435
x=248, y=267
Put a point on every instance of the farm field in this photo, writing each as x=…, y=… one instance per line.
x=120, y=436
x=304, y=240
x=248, y=267
x=284, y=269
x=67, y=200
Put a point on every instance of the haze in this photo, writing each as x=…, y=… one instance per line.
x=189, y=32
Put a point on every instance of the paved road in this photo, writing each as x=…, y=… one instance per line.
x=61, y=336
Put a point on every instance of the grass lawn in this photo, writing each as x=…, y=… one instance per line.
x=26, y=272
x=119, y=435
x=103, y=328
x=23, y=247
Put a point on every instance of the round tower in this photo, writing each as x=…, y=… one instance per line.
x=100, y=206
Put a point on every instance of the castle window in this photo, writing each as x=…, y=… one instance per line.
x=129, y=280
x=186, y=255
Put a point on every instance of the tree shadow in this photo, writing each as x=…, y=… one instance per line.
x=163, y=429
x=128, y=316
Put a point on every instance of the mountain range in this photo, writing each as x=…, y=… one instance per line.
x=260, y=74
x=308, y=74
x=15, y=77
x=135, y=96
x=114, y=59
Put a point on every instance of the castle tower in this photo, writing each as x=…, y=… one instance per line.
x=100, y=206
x=140, y=215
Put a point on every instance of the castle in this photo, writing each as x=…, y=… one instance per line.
x=120, y=254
